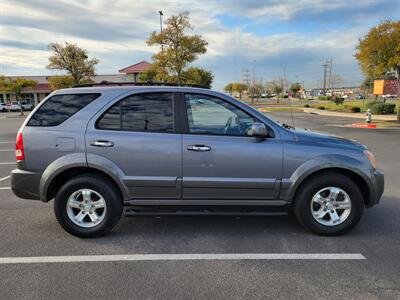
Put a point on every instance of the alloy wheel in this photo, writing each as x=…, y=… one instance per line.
x=86, y=208
x=330, y=206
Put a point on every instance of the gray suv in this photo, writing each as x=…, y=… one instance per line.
x=154, y=150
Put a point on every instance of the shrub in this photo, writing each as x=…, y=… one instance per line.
x=338, y=100
x=379, y=108
x=389, y=108
x=285, y=96
x=306, y=105
x=355, y=109
x=371, y=103
x=322, y=97
x=321, y=107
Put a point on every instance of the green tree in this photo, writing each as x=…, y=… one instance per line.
x=295, y=88
x=239, y=88
x=379, y=52
x=63, y=82
x=2, y=83
x=178, y=48
x=277, y=88
x=72, y=59
x=229, y=88
x=256, y=90
x=194, y=75
x=16, y=86
x=149, y=75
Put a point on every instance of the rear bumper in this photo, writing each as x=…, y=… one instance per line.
x=25, y=184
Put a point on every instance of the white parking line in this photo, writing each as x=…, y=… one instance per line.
x=4, y=178
x=7, y=163
x=5, y=142
x=7, y=150
x=160, y=257
x=5, y=188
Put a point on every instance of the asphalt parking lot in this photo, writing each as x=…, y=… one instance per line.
x=28, y=228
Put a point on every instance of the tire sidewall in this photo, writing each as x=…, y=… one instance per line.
x=303, y=204
x=113, y=205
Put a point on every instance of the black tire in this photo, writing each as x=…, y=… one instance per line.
x=302, y=203
x=100, y=185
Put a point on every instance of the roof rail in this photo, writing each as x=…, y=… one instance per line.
x=144, y=83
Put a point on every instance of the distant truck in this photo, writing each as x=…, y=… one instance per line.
x=386, y=87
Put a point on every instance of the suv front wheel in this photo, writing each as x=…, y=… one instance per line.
x=329, y=204
x=88, y=206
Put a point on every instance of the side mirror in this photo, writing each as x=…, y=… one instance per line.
x=258, y=130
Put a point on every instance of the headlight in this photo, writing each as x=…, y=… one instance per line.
x=371, y=158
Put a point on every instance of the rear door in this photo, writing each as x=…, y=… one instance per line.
x=220, y=161
x=138, y=134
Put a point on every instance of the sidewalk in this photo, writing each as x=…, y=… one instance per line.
x=9, y=115
x=349, y=115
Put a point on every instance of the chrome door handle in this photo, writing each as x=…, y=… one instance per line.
x=199, y=148
x=101, y=143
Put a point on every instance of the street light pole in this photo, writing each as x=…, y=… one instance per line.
x=161, y=14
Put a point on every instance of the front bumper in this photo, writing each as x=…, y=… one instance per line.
x=25, y=184
x=378, y=186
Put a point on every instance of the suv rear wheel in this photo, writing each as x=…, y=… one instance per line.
x=329, y=204
x=87, y=206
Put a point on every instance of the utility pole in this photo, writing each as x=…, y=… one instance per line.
x=325, y=66
x=284, y=75
x=161, y=14
x=254, y=81
x=245, y=76
x=330, y=73
x=162, y=45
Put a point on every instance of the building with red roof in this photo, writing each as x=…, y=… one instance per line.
x=42, y=90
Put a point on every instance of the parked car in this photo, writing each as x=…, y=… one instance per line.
x=27, y=105
x=101, y=150
x=16, y=106
x=3, y=107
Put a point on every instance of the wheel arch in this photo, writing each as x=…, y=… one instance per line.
x=59, y=179
x=357, y=178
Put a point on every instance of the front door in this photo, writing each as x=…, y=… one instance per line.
x=137, y=134
x=220, y=161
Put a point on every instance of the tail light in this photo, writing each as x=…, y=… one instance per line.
x=19, y=147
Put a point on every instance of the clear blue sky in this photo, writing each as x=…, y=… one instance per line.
x=295, y=35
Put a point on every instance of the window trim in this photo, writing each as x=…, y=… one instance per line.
x=185, y=119
x=174, y=123
x=69, y=94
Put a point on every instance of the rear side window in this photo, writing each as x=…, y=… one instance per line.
x=59, y=108
x=151, y=112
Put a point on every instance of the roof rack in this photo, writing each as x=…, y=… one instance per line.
x=144, y=83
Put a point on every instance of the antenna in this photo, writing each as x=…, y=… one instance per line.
x=291, y=115
x=290, y=106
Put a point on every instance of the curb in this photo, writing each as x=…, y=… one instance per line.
x=348, y=115
x=361, y=125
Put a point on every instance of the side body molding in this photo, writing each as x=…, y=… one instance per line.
x=319, y=163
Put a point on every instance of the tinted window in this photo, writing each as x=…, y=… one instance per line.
x=144, y=112
x=111, y=119
x=209, y=115
x=59, y=108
